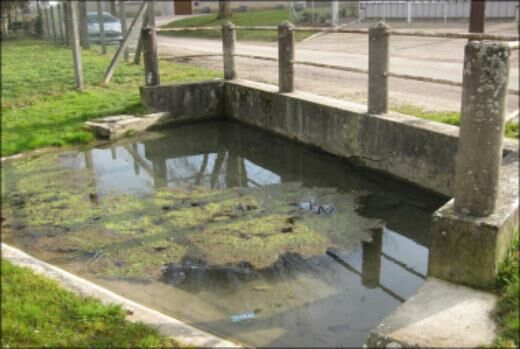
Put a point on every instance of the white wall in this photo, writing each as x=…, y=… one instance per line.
x=434, y=9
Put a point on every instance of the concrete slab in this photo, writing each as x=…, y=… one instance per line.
x=440, y=314
x=168, y=326
x=117, y=126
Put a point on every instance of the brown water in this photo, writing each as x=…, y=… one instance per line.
x=331, y=299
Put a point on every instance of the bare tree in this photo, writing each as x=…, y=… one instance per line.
x=224, y=9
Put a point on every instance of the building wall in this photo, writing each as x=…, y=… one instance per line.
x=433, y=9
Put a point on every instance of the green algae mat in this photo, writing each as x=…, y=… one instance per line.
x=56, y=207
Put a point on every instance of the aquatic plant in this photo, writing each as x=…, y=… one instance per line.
x=52, y=201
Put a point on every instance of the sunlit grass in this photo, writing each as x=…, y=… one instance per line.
x=37, y=312
x=40, y=106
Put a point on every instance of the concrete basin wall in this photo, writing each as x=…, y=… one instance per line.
x=463, y=248
x=415, y=150
x=185, y=102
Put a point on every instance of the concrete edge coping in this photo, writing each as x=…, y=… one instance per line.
x=181, y=332
x=440, y=314
x=426, y=124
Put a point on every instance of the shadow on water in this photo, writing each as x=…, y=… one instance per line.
x=333, y=299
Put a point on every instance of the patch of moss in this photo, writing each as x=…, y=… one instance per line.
x=134, y=237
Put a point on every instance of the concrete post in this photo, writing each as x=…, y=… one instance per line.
x=479, y=154
x=378, y=58
x=334, y=13
x=83, y=25
x=151, y=61
x=53, y=24
x=228, y=43
x=286, y=57
x=45, y=19
x=371, y=267
x=76, y=53
x=101, y=22
x=59, y=15
x=151, y=13
x=66, y=22
x=124, y=29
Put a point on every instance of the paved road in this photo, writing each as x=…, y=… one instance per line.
x=428, y=57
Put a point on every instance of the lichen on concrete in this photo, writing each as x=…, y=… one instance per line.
x=56, y=207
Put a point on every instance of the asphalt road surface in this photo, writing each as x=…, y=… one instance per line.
x=427, y=57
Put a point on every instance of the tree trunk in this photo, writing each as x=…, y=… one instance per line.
x=224, y=9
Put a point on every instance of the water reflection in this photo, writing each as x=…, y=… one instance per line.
x=328, y=300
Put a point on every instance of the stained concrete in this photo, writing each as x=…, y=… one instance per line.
x=168, y=326
x=186, y=102
x=441, y=315
x=468, y=250
x=415, y=150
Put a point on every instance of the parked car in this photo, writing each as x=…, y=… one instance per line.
x=111, y=24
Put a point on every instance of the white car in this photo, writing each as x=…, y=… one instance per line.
x=111, y=24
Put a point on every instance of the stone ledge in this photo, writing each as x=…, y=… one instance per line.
x=441, y=315
x=114, y=127
x=167, y=326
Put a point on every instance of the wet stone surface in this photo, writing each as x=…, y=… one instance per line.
x=221, y=214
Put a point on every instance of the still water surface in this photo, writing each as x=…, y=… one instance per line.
x=328, y=300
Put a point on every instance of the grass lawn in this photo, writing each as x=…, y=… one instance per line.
x=37, y=312
x=40, y=106
x=260, y=18
x=449, y=117
x=508, y=310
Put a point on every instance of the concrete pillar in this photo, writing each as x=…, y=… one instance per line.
x=151, y=61
x=83, y=25
x=151, y=13
x=124, y=27
x=66, y=22
x=371, y=268
x=479, y=154
x=76, y=53
x=59, y=15
x=101, y=22
x=46, y=29
x=378, y=58
x=286, y=57
x=53, y=24
x=229, y=38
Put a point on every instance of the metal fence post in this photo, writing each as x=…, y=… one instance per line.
x=286, y=57
x=76, y=53
x=479, y=154
x=151, y=61
x=228, y=45
x=378, y=59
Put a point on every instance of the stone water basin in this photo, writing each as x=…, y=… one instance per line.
x=233, y=230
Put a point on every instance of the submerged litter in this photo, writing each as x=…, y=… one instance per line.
x=249, y=315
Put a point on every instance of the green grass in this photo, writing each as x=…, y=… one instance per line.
x=508, y=314
x=40, y=106
x=449, y=117
x=260, y=18
x=37, y=312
